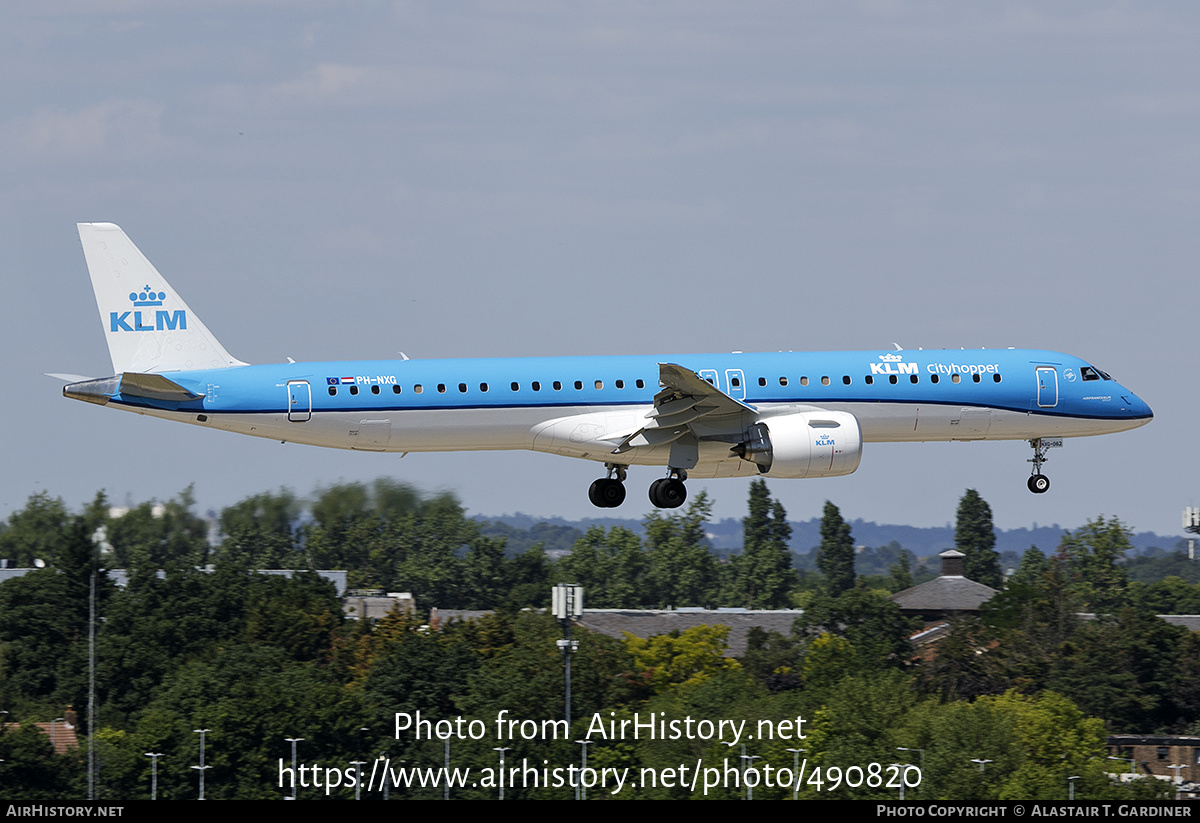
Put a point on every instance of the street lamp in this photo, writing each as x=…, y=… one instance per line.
x=796, y=773
x=201, y=768
x=295, y=779
x=154, y=773
x=580, y=789
x=502, y=750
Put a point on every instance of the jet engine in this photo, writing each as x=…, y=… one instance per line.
x=805, y=444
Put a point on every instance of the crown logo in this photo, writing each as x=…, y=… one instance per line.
x=147, y=297
x=891, y=358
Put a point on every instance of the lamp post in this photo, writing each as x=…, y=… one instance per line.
x=154, y=773
x=357, y=764
x=502, y=750
x=580, y=789
x=201, y=768
x=1071, y=786
x=295, y=778
x=796, y=773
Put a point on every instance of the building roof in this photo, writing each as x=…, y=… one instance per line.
x=948, y=593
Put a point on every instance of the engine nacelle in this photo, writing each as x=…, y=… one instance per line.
x=805, y=444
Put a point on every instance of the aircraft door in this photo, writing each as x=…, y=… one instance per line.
x=299, y=401
x=735, y=384
x=1047, y=387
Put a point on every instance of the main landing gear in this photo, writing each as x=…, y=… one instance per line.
x=609, y=492
x=669, y=492
x=1038, y=482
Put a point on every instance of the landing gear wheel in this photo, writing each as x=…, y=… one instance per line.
x=606, y=493
x=595, y=495
x=613, y=493
x=1039, y=483
x=668, y=493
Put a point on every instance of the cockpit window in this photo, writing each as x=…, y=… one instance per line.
x=1089, y=373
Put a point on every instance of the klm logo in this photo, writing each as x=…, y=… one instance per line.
x=824, y=440
x=163, y=320
x=892, y=364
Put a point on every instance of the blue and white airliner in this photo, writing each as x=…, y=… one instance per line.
x=782, y=414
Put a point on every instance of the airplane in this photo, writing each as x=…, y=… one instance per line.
x=781, y=414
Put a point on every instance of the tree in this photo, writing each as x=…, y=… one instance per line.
x=1092, y=554
x=762, y=573
x=975, y=537
x=835, y=557
x=681, y=571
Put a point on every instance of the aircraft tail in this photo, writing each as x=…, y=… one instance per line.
x=147, y=325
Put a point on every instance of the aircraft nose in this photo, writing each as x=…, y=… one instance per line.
x=1136, y=406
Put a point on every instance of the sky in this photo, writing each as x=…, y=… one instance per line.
x=329, y=181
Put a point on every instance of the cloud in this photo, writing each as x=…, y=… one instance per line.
x=112, y=126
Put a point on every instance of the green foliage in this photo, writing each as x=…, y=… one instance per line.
x=835, y=557
x=680, y=569
x=262, y=532
x=1033, y=566
x=873, y=625
x=151, y=537
x=610, y=565
x=762, y=575
x=1092, y=555
x=975, y=537
x=686, y=657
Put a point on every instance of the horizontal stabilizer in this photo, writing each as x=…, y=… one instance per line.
x=129, y=384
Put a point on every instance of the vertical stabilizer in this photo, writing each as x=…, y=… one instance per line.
x=147, y=325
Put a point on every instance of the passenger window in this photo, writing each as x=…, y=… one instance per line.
x=869, y=380
x=845, y=380
x=441, y=388
x=396, y=389
x=995, y=378
x=333, y=391
x=762, y=381
x=516, y=386
x=462, y=388
x=783, y=381
x=893, y=379
x=976, y=378
x=483, y=387
x=418, y=388
x=578, y=385
x=824, y=381
x=620, y=384
x=557, y=385
x=374, y=390
x=599, y=384
x=354, y=389
x=956, y=378
x=912, y=378
x=803, y=381
x=641, y=384
x=536, y=386
x=933, y=378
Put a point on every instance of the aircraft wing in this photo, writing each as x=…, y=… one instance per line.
x=685, y=399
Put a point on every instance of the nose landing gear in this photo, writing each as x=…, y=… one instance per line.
x=1038, y=482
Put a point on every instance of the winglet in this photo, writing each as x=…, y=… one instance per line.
x=147, y=325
